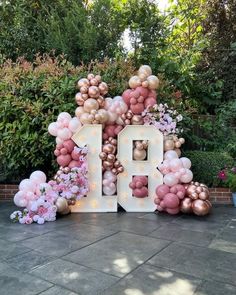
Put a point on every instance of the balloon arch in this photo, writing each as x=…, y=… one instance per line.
x=122, y=150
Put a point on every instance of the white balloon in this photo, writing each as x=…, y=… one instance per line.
x=38, y=177
x=63, y=115
x=53, y=128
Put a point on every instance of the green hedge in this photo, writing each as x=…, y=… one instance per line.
x=32, y=96
x=206, y=165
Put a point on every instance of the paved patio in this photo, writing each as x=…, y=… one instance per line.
x=123, y=253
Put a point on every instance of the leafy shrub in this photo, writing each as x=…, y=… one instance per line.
x=32, y=96
x=206, y=165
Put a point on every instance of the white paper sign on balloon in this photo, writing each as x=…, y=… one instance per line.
x=91, y=135
x=132, y=167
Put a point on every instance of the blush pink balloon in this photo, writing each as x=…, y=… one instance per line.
x=108, y=191
x=53, y=128
x=27, y=185
x=169, y=155
x=186, y=162
x=62, y=116
x=175, y=165
x=63, y=160
x=19, y=196
x=64, y=134
x=110, y=176
x=162, y=190
x=170, y=179
x=187, y=177
x=59, y=140
x=171, y=201
x=74, y=124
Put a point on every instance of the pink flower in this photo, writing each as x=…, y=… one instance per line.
x=222, y=175
x=42, y=211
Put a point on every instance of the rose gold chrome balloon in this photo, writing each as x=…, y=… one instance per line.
x=186, y=205
x=200, y=207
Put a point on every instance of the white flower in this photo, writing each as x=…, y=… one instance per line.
x=179, y=118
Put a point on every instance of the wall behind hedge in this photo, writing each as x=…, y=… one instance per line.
x=32, y=96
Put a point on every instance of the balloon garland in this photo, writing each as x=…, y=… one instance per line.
x=137, y=106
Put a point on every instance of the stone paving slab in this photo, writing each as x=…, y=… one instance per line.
x=14, y=282
x=118, y=254
x=150, y=280
x=200, y=262
x=215, y=288
x=174, y=232
x=56, y=290
x=75, y=277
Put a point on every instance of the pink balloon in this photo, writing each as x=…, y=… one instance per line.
x=149, y=102
x=186, y=162
x=140, y=193
x=19, y=198
x=63, y=151
x=69, y=145
x=126, y=96
x=75, y=156
x=173, y=211
x=162, y=190
x=175, y=165
x=74, y=124
x=170, y=179
x=63, y=160
x=57, y=152
x=62, y=116
x=139, y=184
x=59, y=140
x=74, y=164
x=27, y=185
x=53, y=128
x=64, y=134
x=110, y=175
x=169, y=155
x=171, y=201
x=108, y=191
x=157, y=201
x=159, y=208
x=142, y=179
x=187, y=177
x=137, y=109
x=142, y=91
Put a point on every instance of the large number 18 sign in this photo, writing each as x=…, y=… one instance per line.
x=91, y=135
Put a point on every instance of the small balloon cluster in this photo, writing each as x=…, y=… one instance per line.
x=172, y=142
x=169, y=198
x=91, y=100
x=176, y=194
x=196, y=200
x=139, y=186
x=140, y=150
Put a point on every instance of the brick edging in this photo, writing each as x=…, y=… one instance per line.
x=218, y=195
